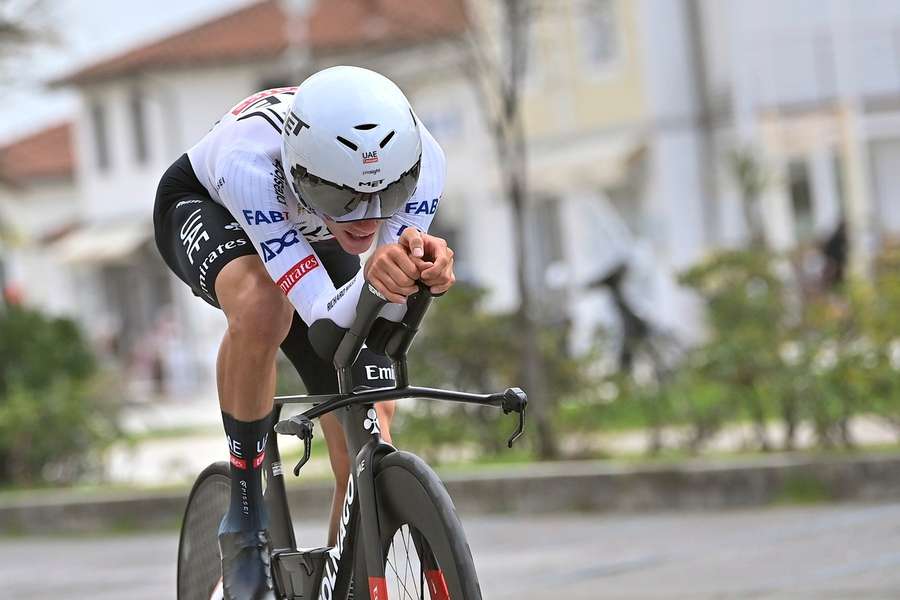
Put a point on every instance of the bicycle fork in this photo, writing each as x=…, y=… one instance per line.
x=326, y=573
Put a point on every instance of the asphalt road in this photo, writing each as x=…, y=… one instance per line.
x=846, y=551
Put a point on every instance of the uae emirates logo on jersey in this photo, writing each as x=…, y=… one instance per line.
x=370, y=157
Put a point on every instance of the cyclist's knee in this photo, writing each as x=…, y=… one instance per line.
x=258, y=313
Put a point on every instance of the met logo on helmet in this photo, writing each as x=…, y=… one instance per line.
x=371, y=184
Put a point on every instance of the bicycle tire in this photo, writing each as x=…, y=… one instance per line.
x=199, y=563
x=410, y=494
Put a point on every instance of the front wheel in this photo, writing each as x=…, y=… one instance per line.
x=425, y=548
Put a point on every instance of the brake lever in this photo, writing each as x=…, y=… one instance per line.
x=302, y=427
x=515, y=400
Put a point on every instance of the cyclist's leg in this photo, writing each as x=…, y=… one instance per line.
x=213, y=255
x=207, y=249
x=259, y=317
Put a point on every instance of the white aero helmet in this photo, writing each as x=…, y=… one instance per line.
x=351, y=146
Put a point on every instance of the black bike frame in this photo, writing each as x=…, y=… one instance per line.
x=359, y=522
x=358, y=516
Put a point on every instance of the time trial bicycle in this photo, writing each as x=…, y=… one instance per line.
x=399, y=536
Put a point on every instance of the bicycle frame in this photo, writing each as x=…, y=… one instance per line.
x=358, y=534
x=358, y=516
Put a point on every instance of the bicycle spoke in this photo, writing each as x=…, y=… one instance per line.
x=394, y=551
x=399, y=579
x=406, y=549
x=408, y=587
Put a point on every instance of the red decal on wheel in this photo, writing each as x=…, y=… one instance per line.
x=436, y=585
x=239, y=463
x=378, y=588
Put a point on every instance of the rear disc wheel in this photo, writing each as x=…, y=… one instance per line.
x=199, y=562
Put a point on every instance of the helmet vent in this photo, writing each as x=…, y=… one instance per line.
x=347, y=143
x=386, y=139
x=366, y=126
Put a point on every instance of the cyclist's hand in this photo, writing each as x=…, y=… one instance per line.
x=414, y=241
x=436, y=270
x=393, y=273
x=432, y=257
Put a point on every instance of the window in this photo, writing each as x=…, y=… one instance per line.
x=139, y=128
x=101, y=136
x=600, y=39
x=801, y=201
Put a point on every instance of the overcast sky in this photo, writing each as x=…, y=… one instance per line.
x=90, y=30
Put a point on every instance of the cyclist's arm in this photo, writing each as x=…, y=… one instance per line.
x=247, y=185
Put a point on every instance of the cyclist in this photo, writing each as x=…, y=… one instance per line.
x=265, y=218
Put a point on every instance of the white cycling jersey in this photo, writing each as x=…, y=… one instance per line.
x=239, y=164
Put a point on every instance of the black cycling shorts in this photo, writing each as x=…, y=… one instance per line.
x=197, y=237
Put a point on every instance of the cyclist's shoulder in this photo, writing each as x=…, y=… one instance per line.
x=247, y=156
x=431, y=177
x=432, y=153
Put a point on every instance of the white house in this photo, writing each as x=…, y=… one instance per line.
x=814, y=87
x=38, y=205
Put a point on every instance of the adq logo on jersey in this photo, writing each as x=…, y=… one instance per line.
x=275, y=246
x=370, y=157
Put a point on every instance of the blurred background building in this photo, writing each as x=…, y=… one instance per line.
x=634, y=112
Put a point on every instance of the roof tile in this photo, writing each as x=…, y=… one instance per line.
x=46, y=154
x=260, y=31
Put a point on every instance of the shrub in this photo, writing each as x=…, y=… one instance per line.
x=463, y=347
x=52, y=412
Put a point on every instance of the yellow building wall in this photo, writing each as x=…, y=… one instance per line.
x=563, y=92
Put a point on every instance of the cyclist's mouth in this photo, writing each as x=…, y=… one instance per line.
x=360, y=238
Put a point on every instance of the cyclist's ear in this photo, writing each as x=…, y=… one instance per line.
x=412, y=240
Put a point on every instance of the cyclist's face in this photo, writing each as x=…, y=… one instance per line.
x=354, y=237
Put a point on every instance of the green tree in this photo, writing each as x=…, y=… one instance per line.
x=51, y=415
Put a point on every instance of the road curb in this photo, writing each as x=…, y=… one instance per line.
x=594, y=486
